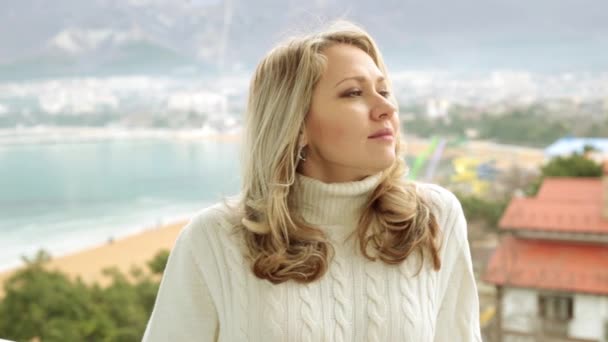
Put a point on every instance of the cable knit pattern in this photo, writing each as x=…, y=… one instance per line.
x=430, y=288
x=308, y=315
x=341, y=302
x=235, y=260
x=274, y=311
x=376, y=307
x=209, y=294
x=424, y=292
x=406, y=289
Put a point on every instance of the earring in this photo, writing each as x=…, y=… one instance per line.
x=302, y=154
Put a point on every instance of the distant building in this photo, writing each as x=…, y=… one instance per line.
x=551, y=267
x=570, y=145
x=200, y=102
x=437, y=108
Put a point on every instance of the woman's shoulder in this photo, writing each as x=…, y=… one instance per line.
x=207, y=236
x=214, y=220
x=446, y=207
x=439, y=197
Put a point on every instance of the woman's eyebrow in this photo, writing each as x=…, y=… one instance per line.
x=360, y=79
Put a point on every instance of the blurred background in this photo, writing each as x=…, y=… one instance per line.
x=120, y=119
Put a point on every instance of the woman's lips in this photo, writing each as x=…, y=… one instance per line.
x=384, y=134
x=387, y=137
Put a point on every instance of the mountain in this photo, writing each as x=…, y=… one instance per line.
x=102, y=37
x=74, y=52
x=74, y=37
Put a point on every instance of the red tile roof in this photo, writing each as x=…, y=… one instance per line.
x=551, y=265
x=571, y=189
x=562, y=204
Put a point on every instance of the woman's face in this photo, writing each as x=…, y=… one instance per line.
x=351, y=129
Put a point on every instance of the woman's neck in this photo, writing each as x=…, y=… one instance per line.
x=333, y=204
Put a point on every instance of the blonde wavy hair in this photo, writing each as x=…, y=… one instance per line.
x=395, y=221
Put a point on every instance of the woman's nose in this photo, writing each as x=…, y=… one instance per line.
x=383, y=109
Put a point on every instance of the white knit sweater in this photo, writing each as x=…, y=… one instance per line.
x=208, y=292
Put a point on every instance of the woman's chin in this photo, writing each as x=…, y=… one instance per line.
x=381, y=164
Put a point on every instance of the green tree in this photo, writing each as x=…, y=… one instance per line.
x=589, y=149
x=522, y=127
x=159, y=262
x=477, y=208
x=42, y=303
x=53, y=307
x=575, y=165
x=530, y=126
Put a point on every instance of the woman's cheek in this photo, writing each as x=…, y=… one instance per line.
x=336, y=134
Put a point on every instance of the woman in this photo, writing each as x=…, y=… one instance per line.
x=327, y=241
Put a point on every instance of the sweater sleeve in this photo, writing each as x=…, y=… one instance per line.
x=184, y=310
x=458, y=317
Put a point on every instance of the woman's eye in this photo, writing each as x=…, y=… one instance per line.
x=384, y=93
x=357, y=93
x=353, y=93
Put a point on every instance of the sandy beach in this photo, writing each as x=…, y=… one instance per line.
x=134, y=250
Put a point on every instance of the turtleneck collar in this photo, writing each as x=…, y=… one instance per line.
x=333, y=204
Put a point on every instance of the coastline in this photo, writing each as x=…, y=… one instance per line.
x=148, y=214
x=123, y=253
x=76, y=240
x=77, y=134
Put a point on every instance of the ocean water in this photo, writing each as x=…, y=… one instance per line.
x=64, y=197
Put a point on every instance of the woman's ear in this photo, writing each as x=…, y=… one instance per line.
x=303, y=139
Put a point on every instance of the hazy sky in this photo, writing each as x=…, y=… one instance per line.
x=576, y=29
x=428, y=17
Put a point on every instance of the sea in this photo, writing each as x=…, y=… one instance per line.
x=67, y=196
